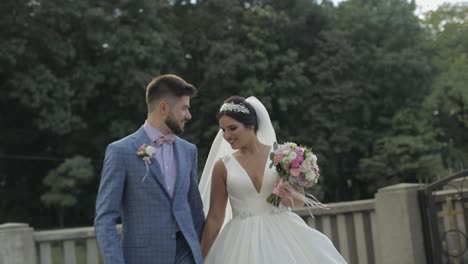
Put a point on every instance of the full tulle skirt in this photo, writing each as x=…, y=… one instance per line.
x=271, y=238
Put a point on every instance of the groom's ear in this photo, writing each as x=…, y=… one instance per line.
x=162, y=106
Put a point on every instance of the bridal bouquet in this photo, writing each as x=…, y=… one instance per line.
x=296, y=165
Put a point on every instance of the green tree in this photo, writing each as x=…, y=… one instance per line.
x=350, y=81
x=445, y=43
x=64, y=184
x=409, y=153
x=74, y=73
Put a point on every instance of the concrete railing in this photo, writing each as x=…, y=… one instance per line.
x=67, y=242
x=384, y=230
x=16, y=244
x=351, y=226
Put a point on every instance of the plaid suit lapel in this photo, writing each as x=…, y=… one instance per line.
x=154, y=169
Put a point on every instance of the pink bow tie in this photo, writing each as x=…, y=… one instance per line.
x=169, y=138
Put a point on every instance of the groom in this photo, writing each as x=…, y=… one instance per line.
x=155, y=194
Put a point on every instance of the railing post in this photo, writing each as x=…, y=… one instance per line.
x=17, y=244
x=399, y=225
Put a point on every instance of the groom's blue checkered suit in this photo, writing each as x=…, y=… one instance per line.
x=150, y=218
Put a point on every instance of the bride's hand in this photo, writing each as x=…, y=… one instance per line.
x=290, y=200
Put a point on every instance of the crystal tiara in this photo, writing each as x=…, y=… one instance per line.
x=234, y=108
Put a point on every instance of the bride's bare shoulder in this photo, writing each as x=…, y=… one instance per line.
x=219, y=169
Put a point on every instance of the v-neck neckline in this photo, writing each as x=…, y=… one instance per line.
x=250, y=178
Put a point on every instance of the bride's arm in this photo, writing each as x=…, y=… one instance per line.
x=290, y=200
x=218, y=201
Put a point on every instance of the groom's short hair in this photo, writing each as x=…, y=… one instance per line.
x=167, y=85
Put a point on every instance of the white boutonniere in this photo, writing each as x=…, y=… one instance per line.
x=146, y=152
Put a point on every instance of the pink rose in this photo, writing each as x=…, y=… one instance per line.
x=300, y=158
x=295, y=164
x=316, y=169
x=302, y=181
x=299, y=151
x=295, y=172
x=279, y=152
x=277, y=158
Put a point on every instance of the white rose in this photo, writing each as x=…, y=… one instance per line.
x=292, y=155
x=150, y=150
x=314, y=158
x=306, y=166
x=310, y=176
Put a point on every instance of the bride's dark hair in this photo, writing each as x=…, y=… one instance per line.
x=248, y=120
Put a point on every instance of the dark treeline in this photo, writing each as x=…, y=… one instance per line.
x=379, y=93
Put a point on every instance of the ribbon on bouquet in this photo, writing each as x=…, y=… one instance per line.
x=309, y=200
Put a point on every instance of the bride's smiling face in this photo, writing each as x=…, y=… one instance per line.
x=235, y=133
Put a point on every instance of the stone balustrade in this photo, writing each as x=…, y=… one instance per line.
x=384, y=230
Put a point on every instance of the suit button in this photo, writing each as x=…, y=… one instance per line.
x=173, y=236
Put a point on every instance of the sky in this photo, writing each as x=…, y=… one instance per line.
x=426, y=5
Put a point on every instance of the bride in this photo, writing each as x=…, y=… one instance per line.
x=241, y=227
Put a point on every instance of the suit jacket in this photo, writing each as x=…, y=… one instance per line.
x=150, y=217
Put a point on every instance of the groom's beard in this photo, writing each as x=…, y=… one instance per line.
x=172, y=124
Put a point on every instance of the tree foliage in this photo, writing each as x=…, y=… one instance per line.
x=65, y=184
x=378, y=93
x=447, y=28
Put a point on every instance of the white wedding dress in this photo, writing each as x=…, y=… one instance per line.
x=260, y=233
